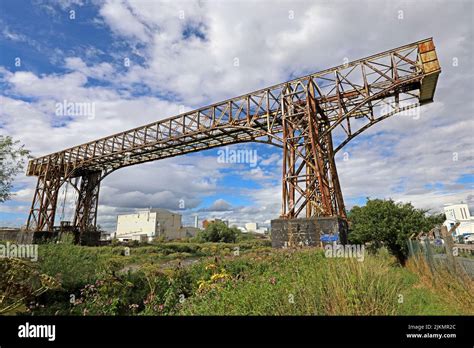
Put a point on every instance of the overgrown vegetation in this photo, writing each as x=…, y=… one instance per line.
x=225, y=272
x=21, y=283
x=248, y=278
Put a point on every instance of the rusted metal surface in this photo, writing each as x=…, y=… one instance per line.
x=311, y=118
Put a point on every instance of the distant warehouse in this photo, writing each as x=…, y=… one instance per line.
x=148, y=224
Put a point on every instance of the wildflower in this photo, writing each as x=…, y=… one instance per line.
x=201, y=284
x=211, y=266
x=272, y=280
x=218, y=276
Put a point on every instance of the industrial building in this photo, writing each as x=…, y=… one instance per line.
x=459, y=213
x=148, y=224
x=253, y=227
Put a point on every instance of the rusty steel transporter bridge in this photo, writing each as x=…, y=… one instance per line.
x=311, y=118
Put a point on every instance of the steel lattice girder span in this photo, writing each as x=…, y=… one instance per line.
x=310, y=118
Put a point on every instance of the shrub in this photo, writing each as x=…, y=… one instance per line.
x=389, y=224
x=219, y=232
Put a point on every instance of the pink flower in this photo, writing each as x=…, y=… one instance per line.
x=272, y=280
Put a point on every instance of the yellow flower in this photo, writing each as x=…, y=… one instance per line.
x=211, y=266
x=219, y=276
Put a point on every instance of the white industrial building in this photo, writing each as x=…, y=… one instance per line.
x=459, y=213
x=254, y=228
x=148, y=224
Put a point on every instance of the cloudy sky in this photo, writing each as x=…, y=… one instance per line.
x=141, y=61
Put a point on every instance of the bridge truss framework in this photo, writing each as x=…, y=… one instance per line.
x=310, y=118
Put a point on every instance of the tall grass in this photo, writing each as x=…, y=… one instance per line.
x=305, y=283
x=454, y=288
x=259, y=281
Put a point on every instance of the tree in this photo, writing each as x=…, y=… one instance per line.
x=389, y=224
x=12, y=157
x=219, y=232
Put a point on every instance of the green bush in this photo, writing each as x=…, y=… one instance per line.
x=386, y=223
x=219, y=232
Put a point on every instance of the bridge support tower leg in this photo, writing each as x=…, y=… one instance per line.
x=43, y=207
x=85, y=216
x=310, y=184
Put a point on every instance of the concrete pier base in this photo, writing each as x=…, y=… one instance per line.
x=306, y=231
x=15, y=235
x=91, y=238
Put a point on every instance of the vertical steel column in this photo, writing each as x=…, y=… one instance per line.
x=85, y=216
x=289, y=178
x=43, y=207
x=310, y=181
x=299, y=183
x=336, y=191
x=332, y=202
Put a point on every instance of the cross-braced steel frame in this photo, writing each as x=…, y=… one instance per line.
x=310, y=118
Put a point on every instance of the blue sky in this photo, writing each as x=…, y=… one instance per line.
x=181, y=56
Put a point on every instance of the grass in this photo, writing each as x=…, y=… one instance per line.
x=306, y=283
x=451, y=287
x=156, y=280
x=303, y=283
x=74, y=264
